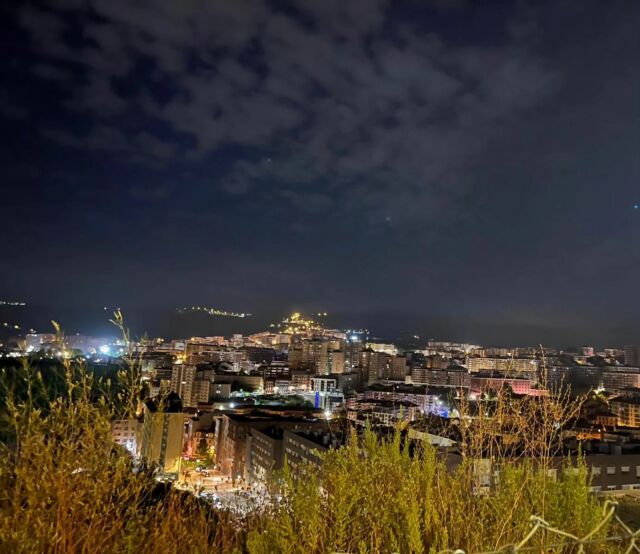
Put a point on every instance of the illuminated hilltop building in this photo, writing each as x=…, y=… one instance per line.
x=296, y=324
x=300, y=326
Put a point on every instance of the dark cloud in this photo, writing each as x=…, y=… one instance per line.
x=330, y=95
x=464, y=145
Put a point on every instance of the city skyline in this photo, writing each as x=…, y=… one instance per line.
x=183, y=324
x=448, y=169
x=168, y=322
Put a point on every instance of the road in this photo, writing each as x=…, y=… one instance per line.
x=236, y=496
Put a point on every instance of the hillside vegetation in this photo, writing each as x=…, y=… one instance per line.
x=65, y=488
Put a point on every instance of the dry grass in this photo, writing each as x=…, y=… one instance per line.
x=374, y=496
x=64, y=488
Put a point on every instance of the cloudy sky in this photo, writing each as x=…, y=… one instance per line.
x=467, y=169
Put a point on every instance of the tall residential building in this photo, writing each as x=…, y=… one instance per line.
x=182, y=379
x=347, y=382
x=268, y=448
x=315, y=355
x=294, y=356
x=264, y=453
x=125, y=433
x=336, y=361
x=396, y=369
x=436, y=362
x=632, y=355
x=302, y=449
x=162, y=432
x=233, y=444
x=616, y=380
x=458, y=377
x=487, y=382
x=627, y=410
x=201, y=391
x=353, y=354
x=505, y=365
x=202, y=388
x=275, y=370
x=375, y=364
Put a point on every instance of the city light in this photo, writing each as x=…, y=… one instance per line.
x=211, y=311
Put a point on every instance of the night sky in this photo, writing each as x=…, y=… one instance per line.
x=464, y=170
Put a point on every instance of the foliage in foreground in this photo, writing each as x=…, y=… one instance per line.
x=65, y=488
x=389, y=501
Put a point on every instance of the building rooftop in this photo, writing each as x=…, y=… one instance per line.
x=259, y=414
x=405, y=388
x=499, y=375
x=627, y=399
x=323, y=438
x=272, y=432
x=390, y=403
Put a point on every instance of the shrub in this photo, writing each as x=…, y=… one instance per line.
x=373, y=496
x=66, y=488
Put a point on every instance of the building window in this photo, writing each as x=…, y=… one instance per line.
x=611, y=470
x=625, y=469
x=595, y=470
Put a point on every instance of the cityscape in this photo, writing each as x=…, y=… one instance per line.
x=219, y=415
x=320, y=277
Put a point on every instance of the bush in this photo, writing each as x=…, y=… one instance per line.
x=64, y=487
x=373, y=496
